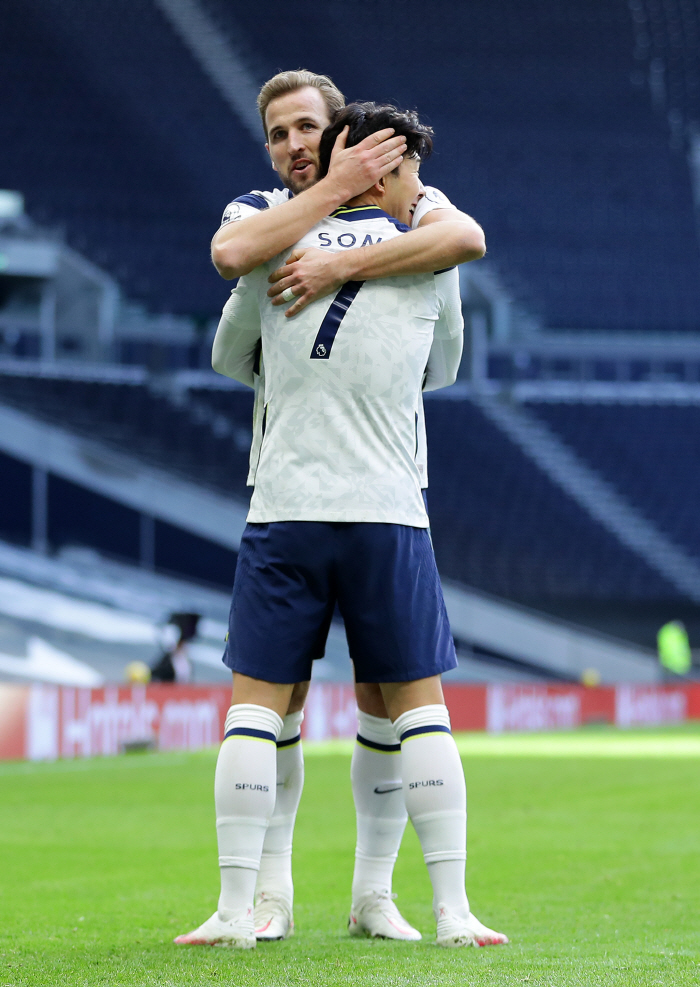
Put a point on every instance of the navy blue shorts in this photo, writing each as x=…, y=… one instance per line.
x=291, y=574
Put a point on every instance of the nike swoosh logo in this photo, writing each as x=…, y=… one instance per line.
x=385, y=789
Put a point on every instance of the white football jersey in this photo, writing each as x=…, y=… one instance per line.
x=343, y=384
x=249, y=205
x=253, y=202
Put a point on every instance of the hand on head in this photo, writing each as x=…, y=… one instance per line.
x=356, y=169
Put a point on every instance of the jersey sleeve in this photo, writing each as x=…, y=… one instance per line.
x=448, y=337
x=433, y=199
x=258, y=419
x=421, y=457
x=451, y=321
x=240, y=209
x=237, y=341
x=252, y=203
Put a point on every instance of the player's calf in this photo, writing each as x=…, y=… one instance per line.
x=435, y=794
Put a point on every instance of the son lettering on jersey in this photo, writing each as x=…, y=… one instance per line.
x=346, y=240
x=426, y=784
x=244, y=786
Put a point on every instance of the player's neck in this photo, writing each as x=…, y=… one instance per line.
x=366, y=199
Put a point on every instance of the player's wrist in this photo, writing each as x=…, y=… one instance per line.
x=347, y=264
x=336, y=192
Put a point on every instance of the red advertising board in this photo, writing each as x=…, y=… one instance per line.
x=44, y=722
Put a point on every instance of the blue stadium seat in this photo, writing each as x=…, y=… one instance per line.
x=500, y=524
x=650, y=454
x=545, y=133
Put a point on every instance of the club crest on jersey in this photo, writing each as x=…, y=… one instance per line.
x=233, y=212
x=320, y=350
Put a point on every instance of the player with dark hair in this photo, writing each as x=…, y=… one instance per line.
x=337, y=516
x=295, y=107
x=362, y=120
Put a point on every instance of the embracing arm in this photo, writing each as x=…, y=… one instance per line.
x=439, y=242
x=445, y=238
x=238, y=336
x=240, y=247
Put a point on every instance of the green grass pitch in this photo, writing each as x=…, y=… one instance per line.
x=583, y=848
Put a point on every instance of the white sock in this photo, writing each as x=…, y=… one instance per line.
x=436, y=799
x=244, y=794
x=275, y=875
x=375, y=773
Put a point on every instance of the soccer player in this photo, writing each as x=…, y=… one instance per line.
x=295, y=107
x=337, y=515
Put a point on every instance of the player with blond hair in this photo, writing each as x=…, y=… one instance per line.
x=244, y=683
x=295, y=107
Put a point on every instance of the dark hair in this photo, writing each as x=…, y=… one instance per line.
x=364, y=119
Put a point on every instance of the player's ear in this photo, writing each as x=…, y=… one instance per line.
x=274, y=166
x=380, y=187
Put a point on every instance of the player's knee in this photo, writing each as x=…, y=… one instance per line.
x=370, y=699
x=299, y=694
x=401, y=697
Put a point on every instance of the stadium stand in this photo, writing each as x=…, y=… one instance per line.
x=546, y=133
x=498, y=523
x=559, y=127
x=193, y=438
x=648, y=452
x=138, y=184
x=590, y=222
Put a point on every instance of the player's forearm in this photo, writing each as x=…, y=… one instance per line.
x=234, y=350
x=443, y=363
x=430, y=248
x=240, y=247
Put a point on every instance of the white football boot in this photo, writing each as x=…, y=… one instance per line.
x=236, y=933
x=453, y=931
x=273, y=918
x=375, y=915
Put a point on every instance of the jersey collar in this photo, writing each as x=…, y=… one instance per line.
x=352, y=214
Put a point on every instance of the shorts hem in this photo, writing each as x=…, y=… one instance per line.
x=413, y=675
x=265, y=674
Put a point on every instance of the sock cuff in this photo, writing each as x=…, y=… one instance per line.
x=247, y=863
x=460, y=815
x=383, y=860
x=376, y=732
x=422, y=720
x=255, y=722
x=291, y=729
x=438, y=856
x=279, y=856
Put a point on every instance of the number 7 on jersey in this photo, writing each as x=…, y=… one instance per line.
x=328, y=330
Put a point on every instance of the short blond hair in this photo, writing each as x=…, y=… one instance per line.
x=289, y=82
